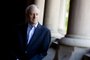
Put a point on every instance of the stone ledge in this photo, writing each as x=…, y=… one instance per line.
x=75, y=42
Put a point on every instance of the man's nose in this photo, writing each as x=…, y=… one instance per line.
x=34, y=16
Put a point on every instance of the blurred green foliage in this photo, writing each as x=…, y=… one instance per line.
x=67, y=13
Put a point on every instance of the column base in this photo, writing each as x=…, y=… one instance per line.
x=74, y=41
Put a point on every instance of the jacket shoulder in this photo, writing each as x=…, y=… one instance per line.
x=45, y=28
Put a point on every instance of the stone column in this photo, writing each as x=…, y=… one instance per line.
x=40, y=4
x=51, y=18
x=77, y=39
x=78, y=33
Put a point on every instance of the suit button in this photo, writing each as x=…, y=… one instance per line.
x=25, y=52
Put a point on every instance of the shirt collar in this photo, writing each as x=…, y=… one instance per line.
x=34, y=25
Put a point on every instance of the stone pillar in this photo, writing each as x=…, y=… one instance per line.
x=40, y=4
x=78, y=33
x=51, y=18
x=77, y=39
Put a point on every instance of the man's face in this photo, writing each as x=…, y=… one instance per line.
x=33, y=16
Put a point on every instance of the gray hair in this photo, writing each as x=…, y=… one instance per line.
x=30, y=7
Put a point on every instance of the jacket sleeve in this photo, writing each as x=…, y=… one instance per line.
x=45, y=46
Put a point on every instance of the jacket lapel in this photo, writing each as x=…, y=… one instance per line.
x=35, y=35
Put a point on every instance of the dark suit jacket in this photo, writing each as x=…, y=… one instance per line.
x=36, y=49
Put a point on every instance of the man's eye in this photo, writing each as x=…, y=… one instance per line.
x=36, y=13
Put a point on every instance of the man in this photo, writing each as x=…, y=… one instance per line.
x=32, y=40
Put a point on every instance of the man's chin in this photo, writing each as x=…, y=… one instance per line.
x=35, y=22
